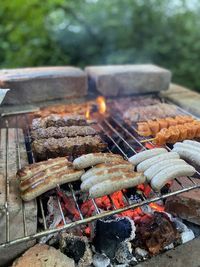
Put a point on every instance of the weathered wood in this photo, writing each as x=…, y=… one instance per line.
x=14, y=201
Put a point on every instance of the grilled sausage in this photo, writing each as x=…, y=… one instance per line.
x=157, y=167
x=116, y=183
x=104, y=166
x=102, y=176
x=192, y=143
x=187, y=146
x=29, y=170
x=143, y=166
x=188, y=154
x=92, y=159
x=170, y=173
x=49, y=183
x=44, y=174
x=137, y=158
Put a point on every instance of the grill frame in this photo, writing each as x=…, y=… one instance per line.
x=107, y=126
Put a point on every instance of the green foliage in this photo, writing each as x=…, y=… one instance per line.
x=89, y=32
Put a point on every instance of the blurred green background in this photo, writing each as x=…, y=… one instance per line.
x=89, y=32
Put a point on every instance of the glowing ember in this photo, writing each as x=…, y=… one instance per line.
x=157, y=207
x=87, y=114
x=101, y=102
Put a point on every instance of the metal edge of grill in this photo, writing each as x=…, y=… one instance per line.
x=106, y=126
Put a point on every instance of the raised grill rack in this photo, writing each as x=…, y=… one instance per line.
x=120, y=137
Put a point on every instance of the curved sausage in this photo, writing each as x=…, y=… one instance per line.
x=143, y=166
x=171, y=173
x=137, y=158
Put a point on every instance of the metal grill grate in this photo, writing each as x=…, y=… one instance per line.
x=122, y=138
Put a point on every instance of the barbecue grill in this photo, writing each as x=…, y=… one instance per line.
x=122, y=139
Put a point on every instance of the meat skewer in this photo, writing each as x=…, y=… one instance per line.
x=176, y=133
x=151, y=127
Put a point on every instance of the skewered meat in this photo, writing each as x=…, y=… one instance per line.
x=154, y=169
x=135, y=114
x=116, y=183
x=105, y=166
x=137, y=158
x=170, y=173
x=47, y=148
x=144, y=165
x=92, y=159
x=178, y=133
x=153, y=127
x=47, y=183
x=60, y=132
x=59, y=121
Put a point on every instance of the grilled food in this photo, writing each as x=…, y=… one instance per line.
x=170, y=173
x=106, y=166
x=59, y=121
x=92, y=159
x=188, y=151
x=116, y=183
x=144, y=165
x=60, y=132
x=135, y=114
x=47, y=183
x=137, y=158
x=161, y=165
x=151, y=127
x=178, y=133
x=51, y=147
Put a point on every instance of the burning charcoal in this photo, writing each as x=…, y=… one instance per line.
x=100, y=260
x=110, y=232
x=124, y=252
x=77, y=248
x=156, y=232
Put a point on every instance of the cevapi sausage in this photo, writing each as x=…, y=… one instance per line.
x=170, y=173
x=143, y=166
x=92, y=159
x=104, y=166
x=156, y=168
x=102, y=176
x=49, y=183
x=137, y=158
x=116, y=183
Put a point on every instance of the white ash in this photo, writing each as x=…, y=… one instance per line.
x=123, y=253
x=141, y=252
x=100, y=260
x=170, y=246
x=187, y=236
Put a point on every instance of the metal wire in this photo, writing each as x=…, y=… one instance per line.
x=117, y=139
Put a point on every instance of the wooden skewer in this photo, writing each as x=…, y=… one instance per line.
x=147, y=140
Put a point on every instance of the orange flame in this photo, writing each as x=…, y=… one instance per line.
x=87, y=114
x=156, y=207
x=101, y=102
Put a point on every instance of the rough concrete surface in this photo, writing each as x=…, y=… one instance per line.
x=30, y=85
x=186, y=255
x=114, y=80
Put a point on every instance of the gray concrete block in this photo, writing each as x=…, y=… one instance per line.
x=31, y=85
x=117, y=80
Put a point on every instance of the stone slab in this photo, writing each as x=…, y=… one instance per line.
x=15, y=204
x=185, y=205
x=116, y=80
x=32, y=85
x=184, y=97
x=184, y=255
